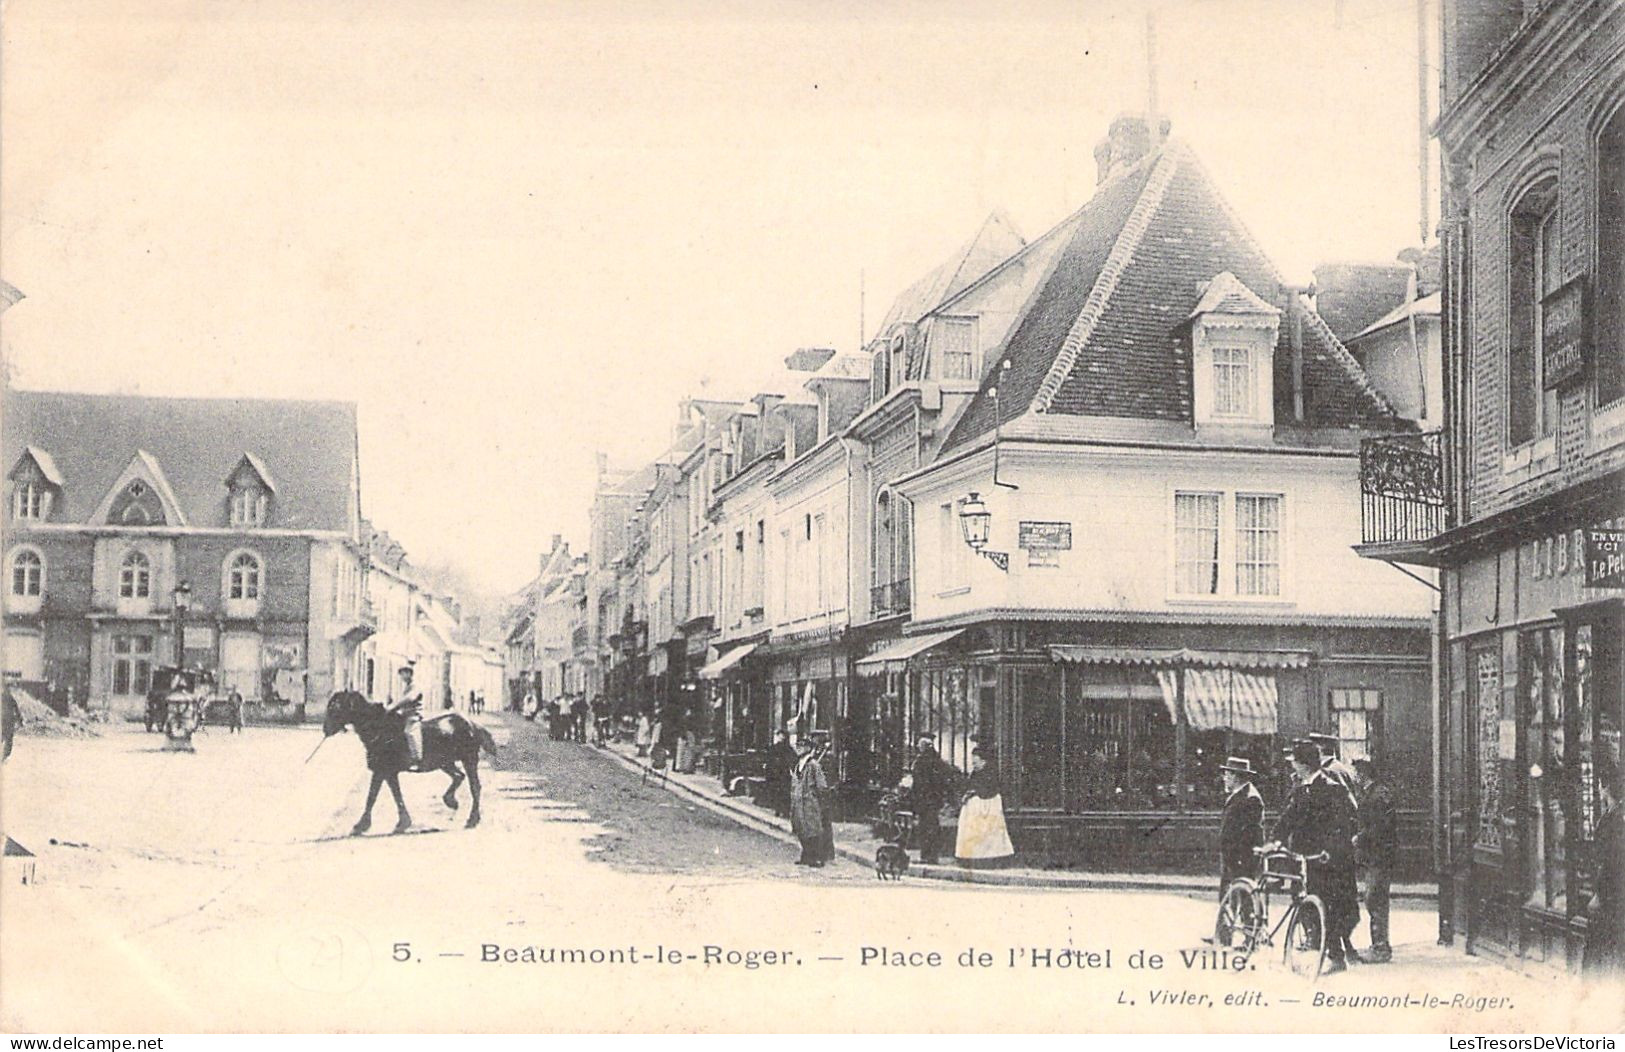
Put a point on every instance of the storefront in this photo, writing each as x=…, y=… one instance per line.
x=1108, y=737
x=1536, y=666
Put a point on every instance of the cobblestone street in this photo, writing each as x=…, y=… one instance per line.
x=252, y=893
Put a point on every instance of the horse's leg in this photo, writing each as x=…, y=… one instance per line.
x=472, y=765
x=404, y=822
x=372, y=797
x=456, y=780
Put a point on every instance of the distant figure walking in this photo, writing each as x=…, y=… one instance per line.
x=811, y=818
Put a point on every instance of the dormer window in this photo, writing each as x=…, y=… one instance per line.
x=956, y=340
x=135, y=577
x=31, y=501
x=1233, y=336
x=248, y=506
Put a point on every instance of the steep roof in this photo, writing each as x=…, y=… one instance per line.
x=196, y=443
x=1421, y=307
x=996, y=241
x=1106, y=332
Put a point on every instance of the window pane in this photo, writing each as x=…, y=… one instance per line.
x=1196, y=543
x=1258, y=545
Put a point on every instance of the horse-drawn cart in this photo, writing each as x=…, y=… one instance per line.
x=183, y=700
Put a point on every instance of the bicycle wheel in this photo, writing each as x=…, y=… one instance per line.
x=1305, y=952
x=1240, y=917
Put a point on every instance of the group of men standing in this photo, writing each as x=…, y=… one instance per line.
x=1343, y=813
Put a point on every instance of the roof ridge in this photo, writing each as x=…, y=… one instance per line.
x=1342, y=357
x=1117, y=261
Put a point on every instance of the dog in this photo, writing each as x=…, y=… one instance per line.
x=891, y=862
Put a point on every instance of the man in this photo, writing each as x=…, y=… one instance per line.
x=781, y=766
x=809, y=806
x=578, y=719
x=1343, y=775
x=408, y=705
x=1241, y=828
x=1604, y=955
x=529, y=705
x=1378, y=845
x=930, y=792
x=1320, y=817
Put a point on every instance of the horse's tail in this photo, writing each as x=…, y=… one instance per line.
x=487, y=743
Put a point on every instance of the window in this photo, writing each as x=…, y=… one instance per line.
x=247, y=507
x=31, y=500
x=957, y=339
x=1608, y=339
x=1233, y=385
x=132, y=664
x=758, y=565
x=27, y=573
x=243, y=579
x=951, y=547
x=1196, y=543
x=1535, y=271
x=1258, y=544
x=1357, y=712
x=896, y=365
x=820, y=556
x=135, y=577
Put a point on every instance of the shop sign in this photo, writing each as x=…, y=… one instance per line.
x=1043, y=541
x=283, y=655
x=199, y=637
x=1605, y=557
x=1563, y=334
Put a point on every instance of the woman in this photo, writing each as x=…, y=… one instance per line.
x=983, y=839
x=810, y=816
x=645, y=734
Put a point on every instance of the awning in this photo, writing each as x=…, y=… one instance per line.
x=1217, y=699
x=715, y=669
x=658, y=661
x=894, y=658
x=1183, y=658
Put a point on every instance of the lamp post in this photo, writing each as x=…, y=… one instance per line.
x=974, y=522
x=179, y=715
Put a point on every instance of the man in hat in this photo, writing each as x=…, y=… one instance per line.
x=1320, y=817
x=1241, y=827
x=781, y=766
x=408, y=704
x=930, y=792
x=1378, y=845
x=1345, y=776
x=1334, y=767
x=810, y=815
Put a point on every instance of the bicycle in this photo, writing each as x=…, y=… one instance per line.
x=1243, y=922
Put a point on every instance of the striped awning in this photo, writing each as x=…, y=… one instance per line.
x=1220, y=699
x=1182, y=658
x=727, y=661
x=894, y=657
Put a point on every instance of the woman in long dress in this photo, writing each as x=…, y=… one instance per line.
x=810, y=816
x=984, y=839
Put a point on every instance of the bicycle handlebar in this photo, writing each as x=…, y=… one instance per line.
x=1324, y=856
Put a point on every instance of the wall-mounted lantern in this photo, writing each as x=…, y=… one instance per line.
x=974, y=522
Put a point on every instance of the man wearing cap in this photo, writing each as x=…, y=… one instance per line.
x=1335, y=768
x=781, y=767
x=1320, y=817
x=408, y=704
x=1241, y=828
x=1378, y=845
x=930, y=792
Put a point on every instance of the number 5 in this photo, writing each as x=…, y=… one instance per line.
x=403, y=951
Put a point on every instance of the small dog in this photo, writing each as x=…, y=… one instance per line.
x=891, y=862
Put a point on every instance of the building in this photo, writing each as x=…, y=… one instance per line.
x=246, y=510
x=1132, y=552
x=1401, y=348
x=1519, y=504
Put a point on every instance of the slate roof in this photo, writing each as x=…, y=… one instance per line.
x=308, y=447
x=1106, y=332
x=996, y=241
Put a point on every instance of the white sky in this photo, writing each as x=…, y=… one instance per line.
x=517, y=233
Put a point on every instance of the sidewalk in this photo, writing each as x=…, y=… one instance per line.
x=856, y=841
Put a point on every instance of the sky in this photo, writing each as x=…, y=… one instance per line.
x=515, y=234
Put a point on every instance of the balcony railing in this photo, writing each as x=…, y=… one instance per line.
x=888, y=599
x=1401, y=488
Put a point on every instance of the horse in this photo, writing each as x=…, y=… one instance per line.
x=448, y=740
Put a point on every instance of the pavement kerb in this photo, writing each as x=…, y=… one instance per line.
x=779, y=829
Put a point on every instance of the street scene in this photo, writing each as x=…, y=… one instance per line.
x=700, y=544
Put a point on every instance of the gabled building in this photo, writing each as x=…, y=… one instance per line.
x=1133, y=549
x=249, y=509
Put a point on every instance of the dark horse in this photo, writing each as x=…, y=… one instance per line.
x=448, y=740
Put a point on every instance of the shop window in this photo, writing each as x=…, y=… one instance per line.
x=1535, y=270
x=132, y=664
x=1596, y=666
x=1541, y=655
x=1357, y=714
x=135, y=577
x=1486, y=686
x=942, y=704
x=1196, y=543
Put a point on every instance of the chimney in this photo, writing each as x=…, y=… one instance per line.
x=1127, y=141
x=1350, y=296
x=806, y=359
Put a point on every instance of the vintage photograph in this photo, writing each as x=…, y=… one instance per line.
x=775, y=517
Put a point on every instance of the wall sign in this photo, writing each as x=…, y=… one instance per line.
x=1054, y=536
x=1605, y=557
x=1563, y=342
